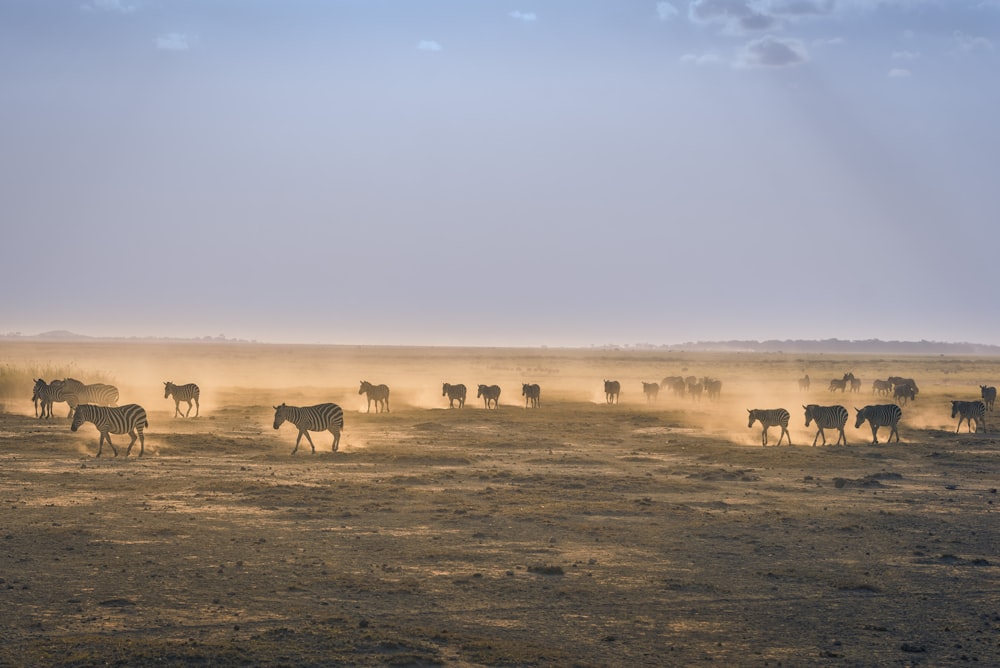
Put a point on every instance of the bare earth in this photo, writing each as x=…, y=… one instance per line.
x=573, y=534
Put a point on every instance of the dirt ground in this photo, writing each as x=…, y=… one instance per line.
x=575, y=534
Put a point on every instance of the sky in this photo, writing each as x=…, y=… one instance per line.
x=459, y=172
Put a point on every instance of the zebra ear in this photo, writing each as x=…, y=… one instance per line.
x=749, y=411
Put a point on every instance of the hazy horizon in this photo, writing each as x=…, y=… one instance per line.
x=524, y=174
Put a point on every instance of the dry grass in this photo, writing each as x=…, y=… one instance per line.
x=574, y=534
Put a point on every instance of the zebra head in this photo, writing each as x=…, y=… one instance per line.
x=809, y=413
x=862, y=414
x=81, y=415
x=280, y=415
x=753, y=417
x=365, y=386
x=444, y=389
x=39, y=384
x=168, y=387
x=955, y=409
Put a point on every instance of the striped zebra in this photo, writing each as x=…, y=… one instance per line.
x=128, y=419
x=612, y=388
x=827, y=417
x=694, y=390
x=903, y=392
x=490, y=394
x=454, y=393
x=76, y=392
x=770, y=417
x=651, y=390
x=675, y=383
x=969, y=411
x=45, y=394
x=837, y=384
x=713, y=388
x=897, y=381
x=881, y=387
x=855, y=384
x=882, y=415
x=321, y=417
x=188, y=393
x=377, y=393
x=532, y=394
x=989, y=395
x=804, y=383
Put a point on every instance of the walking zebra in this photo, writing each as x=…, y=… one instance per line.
x=675, y=383
x=128, y=419
x=855, y=384
x=45, y=394
x=490, y=394
x=903, y=392
x=882, y=415
x=881, y=387
x=837, y=384
x=804, y=383
x=321, y=417
x=532, y=393
x=989, y=395
x=694, y=390
x=969, y=411
x=377, y=393
x=903, y=382
x=827, y=417
x=713, y=388
x=612, y=388
x=651, y=390
x=188, y=393
x=770, y=417
x=454, y=393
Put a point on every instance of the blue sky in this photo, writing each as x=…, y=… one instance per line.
x=451, y=172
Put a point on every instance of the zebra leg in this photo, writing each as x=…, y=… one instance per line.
x=875, y=435
x=784, y=432
x=387, y=403
x=297, y=440
x=763, y=436
x=817, y=436
x=842, y=436
x=309, y=438
x=336, y=438
x=177, y=407
x=128, y=451
x=197, y=407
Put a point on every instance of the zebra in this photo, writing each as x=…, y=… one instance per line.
x=882, y=415
x=902, y=392
x=377, y=393
x=190, y=392
x=612, y=388
x=76, y=392
x=490, y=394
x=855, y=384
x=989, y=395
x=532, y=393
x=770, y=417
x=969, y=411
x=321, y=417
x=897, y=382
x=804, y=383
x=454, y=393
x=45, y=394
x=128, y=419
x=827, y=417
x=651, y=390
x=713, y=388
x=881, y=387
x=675, y=383
x=837, y=384
x=694, y=390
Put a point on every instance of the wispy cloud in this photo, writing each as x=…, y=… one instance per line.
x=899, y=73
x=429, y=45
x=173, y=41
x=665, y=11
x=108, y=6
x=770, y=51
x=970, y=43
x=736, y=15
x=701, y=59
x=526, y=17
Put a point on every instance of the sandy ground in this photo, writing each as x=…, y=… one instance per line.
x=573, y=534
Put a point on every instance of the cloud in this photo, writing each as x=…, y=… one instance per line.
x=793, y=8
x=665, y=11
x=770, y=51
x=899, y=73
x=737, y=15
x=173, y=41
x=108, y=6
x=703, y=59
x=429, y=45
x=526, y=17
x=969, y=43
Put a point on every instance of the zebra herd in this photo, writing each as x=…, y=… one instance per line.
x=900, y=389
x=829, y=417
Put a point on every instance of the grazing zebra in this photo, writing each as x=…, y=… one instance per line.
x=837, y=384
x=827, y=417
x=490, y=393
x=321, y=417
x=713, y=388
x=882, y=415
x=989, y=395
x=377, y=393
x=675, y=383
x=128, y=419
x=651, y=390
x=902, y=392
x=454, y=393
x=881, y=387
x=969, y=411
x=188, y=393
x=612, y=388
x=532, y=394
x=770, y=417
x=804, y=383
x=45, y=394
